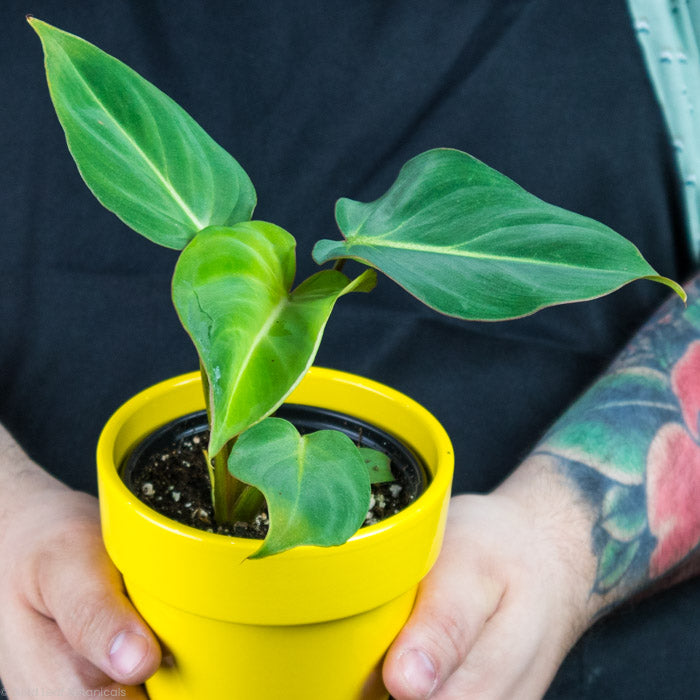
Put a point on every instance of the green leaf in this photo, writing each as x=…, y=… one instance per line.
x=255, y=337
x=615, y=559
x=141, y=154
x=378, y=465
x=471, y=243
x=316, y=485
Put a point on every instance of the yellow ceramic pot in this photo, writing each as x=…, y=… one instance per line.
x=312, y=623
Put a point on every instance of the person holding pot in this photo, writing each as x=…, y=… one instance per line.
x=319, y=102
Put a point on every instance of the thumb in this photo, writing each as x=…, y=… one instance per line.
x=452, y=607
x=82, y=591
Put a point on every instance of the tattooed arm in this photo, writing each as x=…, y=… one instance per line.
x=607, y=506
x=631, y=447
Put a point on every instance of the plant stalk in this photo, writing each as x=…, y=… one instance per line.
x=249, y=504
x=226, y=488
x=233, y=500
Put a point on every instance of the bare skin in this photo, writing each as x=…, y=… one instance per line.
x=507, y=598
x=66, y=623
x=523, y=573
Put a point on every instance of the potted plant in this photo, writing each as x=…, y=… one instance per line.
x=309, y=611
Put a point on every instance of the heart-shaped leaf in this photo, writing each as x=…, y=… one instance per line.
x=316, y=486
x=141, y=154
x=255, y=337
x=471, y=243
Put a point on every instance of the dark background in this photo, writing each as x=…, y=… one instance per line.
x=319, y=100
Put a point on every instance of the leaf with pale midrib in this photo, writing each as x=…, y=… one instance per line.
x=139, y=152
x=255, y=336
x=471, y=243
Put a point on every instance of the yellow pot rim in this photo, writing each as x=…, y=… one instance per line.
x=440, y=477
x=284, y=582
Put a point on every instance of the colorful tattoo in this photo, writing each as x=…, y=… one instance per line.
x=631, y=445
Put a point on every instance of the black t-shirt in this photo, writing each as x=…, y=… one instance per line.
x=319, y=100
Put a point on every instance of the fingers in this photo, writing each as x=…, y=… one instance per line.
x=513, y=657
x=43, y=663
x=453, y=606
x=67, y=625
x=494, y=618
x=82, y=592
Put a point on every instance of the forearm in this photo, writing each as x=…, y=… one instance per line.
x=629, y=451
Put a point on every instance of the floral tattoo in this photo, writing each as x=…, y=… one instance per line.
x=631, y=445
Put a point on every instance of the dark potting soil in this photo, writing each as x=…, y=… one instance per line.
x=174, y=481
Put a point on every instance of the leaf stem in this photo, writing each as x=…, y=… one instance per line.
x=339, y=264
x=249, y=504
x=234, y=500
x=230, y=497
x=226, y=489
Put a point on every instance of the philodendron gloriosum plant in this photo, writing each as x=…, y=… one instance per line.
x=461, y=237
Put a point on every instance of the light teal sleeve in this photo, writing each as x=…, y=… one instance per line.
x=668, y=33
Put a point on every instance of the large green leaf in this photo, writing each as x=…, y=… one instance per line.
x=140, y=153
x=316, y=486
x=471, y=243
x=255, y=337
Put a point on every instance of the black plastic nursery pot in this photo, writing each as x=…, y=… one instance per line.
x=168, y=470
x=312, y=622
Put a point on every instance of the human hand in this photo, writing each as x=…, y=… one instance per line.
x=506, y=600
x=67, y=625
